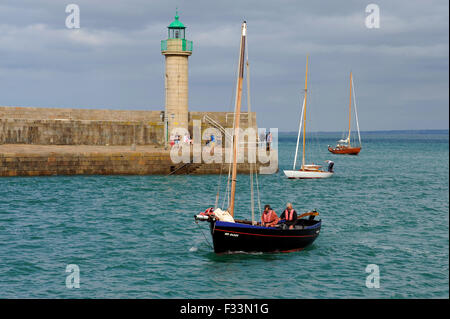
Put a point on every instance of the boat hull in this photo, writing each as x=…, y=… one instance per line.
x=235, y=237
x=347, y=150
x=307, y=174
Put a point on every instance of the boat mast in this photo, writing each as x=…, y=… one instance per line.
x=298, y=136
x=237, y=117
x=356, y=113
x=304, y=112
x=350, y=110
x=250, y=125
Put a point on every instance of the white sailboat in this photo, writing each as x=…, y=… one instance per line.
x=307, y=171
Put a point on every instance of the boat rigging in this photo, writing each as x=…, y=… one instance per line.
x=237, y=235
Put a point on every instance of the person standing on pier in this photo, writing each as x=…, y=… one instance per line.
x=187, y=139
x=212, y=142
x=269, y=141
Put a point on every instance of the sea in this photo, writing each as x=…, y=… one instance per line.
x=385, y=229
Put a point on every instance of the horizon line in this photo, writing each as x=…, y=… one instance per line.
x=374, y=131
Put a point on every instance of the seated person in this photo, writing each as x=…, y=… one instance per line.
x=290, y=215
x=269, y=218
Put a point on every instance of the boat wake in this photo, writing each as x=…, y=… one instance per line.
x=240, y=252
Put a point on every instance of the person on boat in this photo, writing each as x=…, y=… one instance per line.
x=290, y=215
x=269, y=218
x=330, y=166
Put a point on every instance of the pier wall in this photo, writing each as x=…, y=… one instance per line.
x=115, y=163
x=57, y=141
x=39, y=160
x=58, y=126
x=79, y=132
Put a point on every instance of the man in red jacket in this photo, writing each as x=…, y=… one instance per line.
x=269, y=218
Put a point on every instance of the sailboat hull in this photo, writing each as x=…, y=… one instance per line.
x=346, y=150
x=236, y=237
x=307, y=174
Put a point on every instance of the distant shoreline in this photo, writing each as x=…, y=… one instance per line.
x=442, y=131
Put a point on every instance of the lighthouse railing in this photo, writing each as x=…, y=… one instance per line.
x=176, y=45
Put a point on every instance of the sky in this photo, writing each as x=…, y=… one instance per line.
x=114, y=61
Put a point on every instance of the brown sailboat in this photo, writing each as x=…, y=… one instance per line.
x=344, y=145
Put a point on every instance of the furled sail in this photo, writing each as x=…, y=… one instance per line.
x=223, y=215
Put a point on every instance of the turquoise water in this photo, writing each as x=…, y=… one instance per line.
x=134, y=236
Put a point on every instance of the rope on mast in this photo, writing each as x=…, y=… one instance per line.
x=227, y=192
x=304, y=117
x=298, y=136
x=250, y=124
x=350, y=109
x=237, y=118
x=218, y=188
x=356, y=112
x=257, y=192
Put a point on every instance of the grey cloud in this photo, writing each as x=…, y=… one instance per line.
x=114, y=60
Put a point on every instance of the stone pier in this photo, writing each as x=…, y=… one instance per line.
x=48, y=141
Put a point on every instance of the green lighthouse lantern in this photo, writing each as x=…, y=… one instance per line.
x=176, y=29
x=176, y=40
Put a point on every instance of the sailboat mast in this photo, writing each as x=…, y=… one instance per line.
x=350, y=110
x=237, y=117
x=304, y=112
x=356, y=113
x=250, y=124
x=298, y=136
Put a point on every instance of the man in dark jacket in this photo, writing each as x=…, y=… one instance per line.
x=290, y=215
x=330, y=166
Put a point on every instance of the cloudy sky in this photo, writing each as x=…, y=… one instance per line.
x=401, y=70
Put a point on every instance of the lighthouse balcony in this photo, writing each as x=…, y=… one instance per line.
x=176, y=45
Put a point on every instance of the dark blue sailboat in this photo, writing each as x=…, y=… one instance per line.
x=242, y=236
x=232, y=235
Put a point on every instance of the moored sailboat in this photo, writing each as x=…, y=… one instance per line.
x=344, y=145
x=233, y=235
x=307, y=171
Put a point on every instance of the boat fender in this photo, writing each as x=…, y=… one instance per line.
x=201, y=217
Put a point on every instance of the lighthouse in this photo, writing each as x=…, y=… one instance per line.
x=176, y=50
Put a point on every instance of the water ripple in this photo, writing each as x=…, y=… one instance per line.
x=134, y=236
